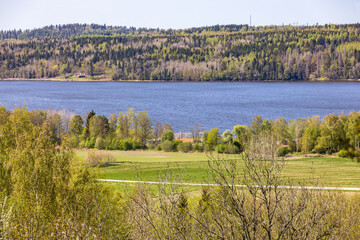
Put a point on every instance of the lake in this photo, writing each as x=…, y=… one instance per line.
x=183, y=104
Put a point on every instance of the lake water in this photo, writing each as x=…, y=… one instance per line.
x=214, y=104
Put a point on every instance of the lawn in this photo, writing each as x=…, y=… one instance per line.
x=193, y=167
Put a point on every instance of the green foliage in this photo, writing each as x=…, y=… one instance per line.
x=212, y=138
x=240, y=132
x=167, y=146
x=198, y=147
x=282, y=151
x=74, y=142
x=184, y=147
x=87, y=125
x=90, y=142
x=46, y=193
x=99, y=144
x=343, y=153
x=214, y=53
x=220, y=148
x=168, y=135
x=76, y=125
x=227, y=136
x=98, y=126
x=311, y=133
x=227, y=148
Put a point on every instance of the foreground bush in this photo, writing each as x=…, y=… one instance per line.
x=263, y=209
x=45, y=193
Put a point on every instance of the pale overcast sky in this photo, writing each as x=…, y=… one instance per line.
x=28, y=14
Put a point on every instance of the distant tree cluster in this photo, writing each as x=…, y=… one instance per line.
x=133, y=130
x=216, y=53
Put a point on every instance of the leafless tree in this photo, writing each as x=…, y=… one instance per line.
x=195, y=132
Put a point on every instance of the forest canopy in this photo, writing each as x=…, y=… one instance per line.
x=214, y=53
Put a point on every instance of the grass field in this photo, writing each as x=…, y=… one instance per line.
x=193, y=167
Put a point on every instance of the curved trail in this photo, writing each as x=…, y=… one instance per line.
x=243, y=186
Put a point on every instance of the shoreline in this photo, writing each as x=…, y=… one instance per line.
x=108, y=80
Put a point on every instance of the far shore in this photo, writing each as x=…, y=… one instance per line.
x=109, y=80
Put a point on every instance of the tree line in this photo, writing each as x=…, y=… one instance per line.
x=133, y=130
x=215, y=53
x=46, y=193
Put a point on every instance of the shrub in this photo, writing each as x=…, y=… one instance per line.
x=184, y=147
x=320, y=149
x=282, y=151
x=127, y=145
x=199, y=147
x=167, y=146
x=176, y=144
x=238, y=145
x=343, y=153
x=138, y=145
x=227, y=148
x=231, y=149
x=152, y=146
x=220, y=148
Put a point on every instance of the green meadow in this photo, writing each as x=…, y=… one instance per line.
x=193, y=167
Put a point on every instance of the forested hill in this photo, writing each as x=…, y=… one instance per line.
x=214, y=53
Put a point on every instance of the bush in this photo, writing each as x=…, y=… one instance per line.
x=343, y=153
x=220, y=148
x=349, y=153
x=231, y=149
x=320, y=149
x=176, y=144
x=184, y=147
x=152, y=146
x=199, y=147
x=126, y=145
x=282, y=151
x=238, y=145
x=138, y=145
x=167, y=146
x=227, y=148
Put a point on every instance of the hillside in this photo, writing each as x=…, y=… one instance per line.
x=215, y=53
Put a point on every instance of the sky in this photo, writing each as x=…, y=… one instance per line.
x=175, y=14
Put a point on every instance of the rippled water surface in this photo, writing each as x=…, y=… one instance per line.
x=216, y=104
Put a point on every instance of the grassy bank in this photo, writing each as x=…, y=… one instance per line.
x=193, y=167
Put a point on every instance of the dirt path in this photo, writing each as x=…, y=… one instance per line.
x=208, y=184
